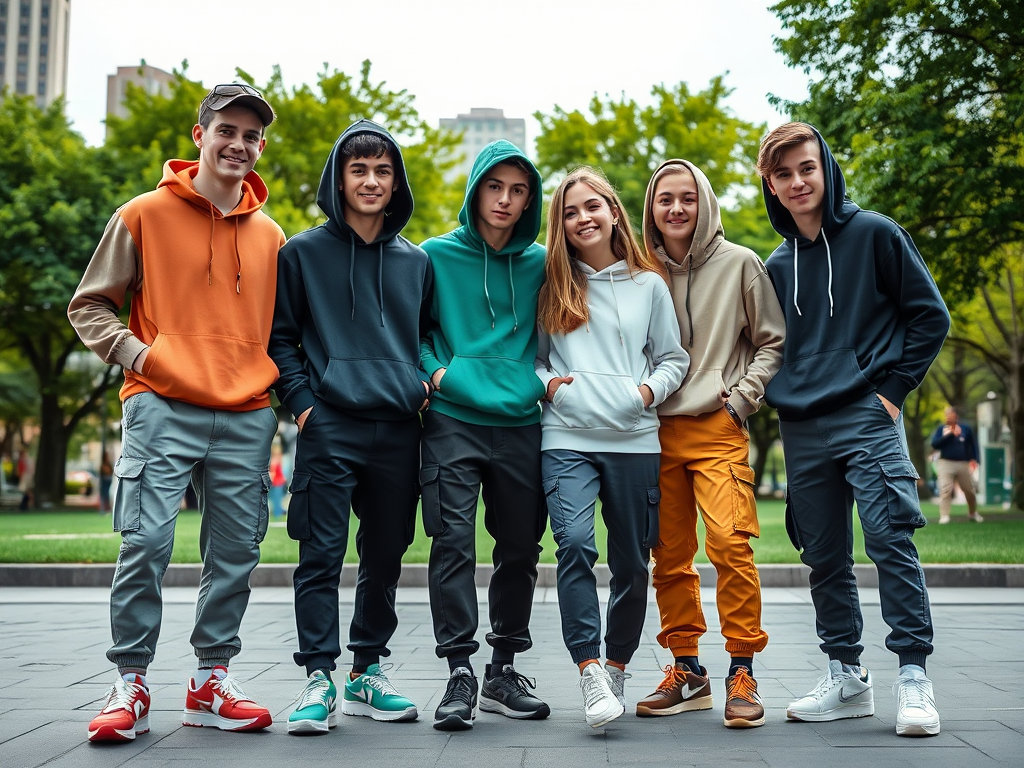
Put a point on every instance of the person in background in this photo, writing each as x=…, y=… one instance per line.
x=278, y=481
x=957, y=463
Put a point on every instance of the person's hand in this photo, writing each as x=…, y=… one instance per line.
x=956, y=430
x=891, y=409
x=301, y=418
x=647, y=395
x=436, y=378
x=140, y=361
x=974, y=466
x=426, y=401
x=947, y=430
x=553, y=386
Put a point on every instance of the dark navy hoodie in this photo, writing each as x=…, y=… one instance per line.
x=863, y=313
x=349, y=314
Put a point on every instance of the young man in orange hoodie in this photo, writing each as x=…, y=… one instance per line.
x=200, y=259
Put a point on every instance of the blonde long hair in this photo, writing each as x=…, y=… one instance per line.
x=562, y=307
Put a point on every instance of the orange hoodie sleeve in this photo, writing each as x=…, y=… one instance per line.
x=114, y=270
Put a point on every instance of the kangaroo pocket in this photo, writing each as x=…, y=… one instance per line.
x=212, y=371
x=499, y=385
x=372, y=384
x=701, y=394
x=598, y=401
x=832, y=377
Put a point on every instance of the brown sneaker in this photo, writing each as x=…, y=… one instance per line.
x=680, y=691
x=743, y=707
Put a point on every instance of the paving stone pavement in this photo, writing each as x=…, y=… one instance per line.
x=54, y=678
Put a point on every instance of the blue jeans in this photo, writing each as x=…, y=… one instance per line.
x=627, y=485
x=858, y=453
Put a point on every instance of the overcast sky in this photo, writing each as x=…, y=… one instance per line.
x=451, y=54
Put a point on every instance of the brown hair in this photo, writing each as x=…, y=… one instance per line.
x=778, y=141
x=562, y=307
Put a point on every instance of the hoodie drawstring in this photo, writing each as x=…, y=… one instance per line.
x=512, y=285
x=689, y=316
x=352, y=272
x=209, y=266
x=487, y=295
x=618, y=317
x=380, y=283
x=238, y=260
x=796, y=275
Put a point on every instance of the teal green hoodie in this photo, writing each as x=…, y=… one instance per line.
x=484, y=312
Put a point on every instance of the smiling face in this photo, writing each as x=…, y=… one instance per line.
x=675, y=211
x=367, y=184
x=588, y=219
x=501, y=197
x=799, y=182
x=230, y=145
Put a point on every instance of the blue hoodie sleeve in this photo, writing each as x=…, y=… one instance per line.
x=293, y=386
x=910, y=285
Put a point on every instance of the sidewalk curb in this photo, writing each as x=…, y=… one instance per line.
x=415, y=575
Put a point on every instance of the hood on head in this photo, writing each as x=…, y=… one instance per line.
x=329, y=196
x=837, y=207
x=527, y=228
x=709, y=231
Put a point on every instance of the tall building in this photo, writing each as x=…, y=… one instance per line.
x=151, y=79
x=34, y=47
x=479, y=128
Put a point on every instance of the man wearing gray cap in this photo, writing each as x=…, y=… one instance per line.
x=199, y=257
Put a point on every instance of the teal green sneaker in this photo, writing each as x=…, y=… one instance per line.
x=372, y=695
x=316, y=711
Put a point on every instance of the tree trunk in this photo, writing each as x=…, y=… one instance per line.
x=764, y=431
x=51, y=459
x=1015, y=417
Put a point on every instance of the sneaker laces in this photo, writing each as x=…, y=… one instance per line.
x=381, y=682
x=673, y=677
x=825, y=684
x=229, y=690
x=519, y=681
x=121, y=695
x=912, y=693
x=744, y=687
x=315, y=692
x=593, y=691
x=460, y=688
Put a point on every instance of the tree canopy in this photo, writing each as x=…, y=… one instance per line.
x=925, y=101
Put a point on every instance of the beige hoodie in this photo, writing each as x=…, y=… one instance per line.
x=730, y=320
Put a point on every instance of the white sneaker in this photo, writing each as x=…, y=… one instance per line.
x=599, y=702
x=838, y=695
x=976, y=518
x=617, y=682
x=943, y=519
x=916, y=714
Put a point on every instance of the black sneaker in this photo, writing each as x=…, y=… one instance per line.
x=457, y=709
x=507, y=695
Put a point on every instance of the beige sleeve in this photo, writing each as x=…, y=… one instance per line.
x=114, y=270
x=767, y=327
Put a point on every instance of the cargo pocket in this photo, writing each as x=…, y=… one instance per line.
x=744, y=505
x=128, y=499
x=264, y=517
x=298, y=507
x=430, y=490
x=554, y=506
x=652, y=530
x=791, y=529
x=904, y=508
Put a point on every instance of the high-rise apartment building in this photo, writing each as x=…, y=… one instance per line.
x=479, y=128
x=151, y=79
x=34, y=47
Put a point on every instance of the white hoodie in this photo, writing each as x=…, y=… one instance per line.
x=632, y=338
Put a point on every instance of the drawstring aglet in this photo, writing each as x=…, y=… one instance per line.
x=238, y=283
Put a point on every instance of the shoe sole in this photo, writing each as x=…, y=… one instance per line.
x=209, y=720
x=688, y=705
x=918, y=729
x=454, y=723
x=313, y=726
x=603, y=720
x=106, y=733
x=496, y=707
x=842, y=713
x=360, y=709
x=740, y=722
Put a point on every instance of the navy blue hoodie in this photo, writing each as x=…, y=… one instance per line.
x=349, y=314
x=863, y=313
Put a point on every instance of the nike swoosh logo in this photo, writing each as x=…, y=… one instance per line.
x=140, y=707
x=363, y=694
x=846, y=699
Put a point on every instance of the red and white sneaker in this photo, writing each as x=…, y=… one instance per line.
x=220, y=703
x=126, y=713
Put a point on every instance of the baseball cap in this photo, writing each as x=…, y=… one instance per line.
x=240, y=94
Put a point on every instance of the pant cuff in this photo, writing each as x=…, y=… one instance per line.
x=685, y=650
x=213, y=657
x=849, y=656
x=583, y=652
x=620, y=653
x=915, y=656
x=364, y=660
x=133, y=660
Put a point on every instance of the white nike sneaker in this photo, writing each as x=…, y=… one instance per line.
x=916, y=714
x=837, y=695
x=600, y=704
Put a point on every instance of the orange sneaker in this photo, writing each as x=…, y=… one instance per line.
x=743, y=708
x=220, y=703
x=126, y=713
x=680, y=691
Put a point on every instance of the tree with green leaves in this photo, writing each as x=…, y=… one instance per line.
x=925, y=103
x=309, y=120
x=54, y=203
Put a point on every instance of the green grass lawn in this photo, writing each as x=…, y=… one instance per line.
x=85, y=537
